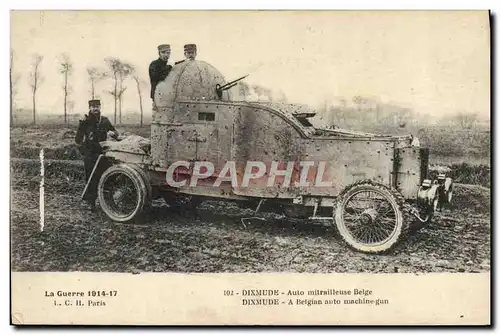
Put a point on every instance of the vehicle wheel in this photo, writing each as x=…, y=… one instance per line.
x=369, y=217
x=123, y=193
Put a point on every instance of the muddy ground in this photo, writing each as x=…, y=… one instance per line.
x=215, y=239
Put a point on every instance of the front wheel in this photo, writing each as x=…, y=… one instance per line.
x=369, y=217
x=123, y=193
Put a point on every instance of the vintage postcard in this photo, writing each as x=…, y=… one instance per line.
x=250, y=167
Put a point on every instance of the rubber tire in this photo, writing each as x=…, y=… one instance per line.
x=141, y=185
x=396, y=200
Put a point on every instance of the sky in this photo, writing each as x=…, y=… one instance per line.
x=434, y=62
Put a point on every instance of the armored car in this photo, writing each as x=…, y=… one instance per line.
x=206, y=144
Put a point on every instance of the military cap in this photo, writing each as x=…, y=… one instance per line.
x=94, y=103
x=163, y=47
x=189, y=47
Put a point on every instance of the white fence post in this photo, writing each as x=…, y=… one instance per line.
x=42, y=191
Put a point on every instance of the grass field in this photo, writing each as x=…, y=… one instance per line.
x=465, y=154
x=215, y=239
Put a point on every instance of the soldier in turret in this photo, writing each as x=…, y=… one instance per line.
x=159, y=68
x=92, y=129
x=189, y=53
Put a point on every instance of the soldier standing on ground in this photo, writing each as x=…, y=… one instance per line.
x=159, y=68
x=93, y=128
x=189, y=52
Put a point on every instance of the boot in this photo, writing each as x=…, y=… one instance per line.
x=91, y=204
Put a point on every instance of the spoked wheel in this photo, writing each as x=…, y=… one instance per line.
x=123, y=193
x=369, y=217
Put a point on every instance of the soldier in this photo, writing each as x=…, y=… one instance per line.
x=93, y=128
x=159, y=68
x=189, y=53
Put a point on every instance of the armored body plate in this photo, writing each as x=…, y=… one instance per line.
x=181, y=144
x=411, y=166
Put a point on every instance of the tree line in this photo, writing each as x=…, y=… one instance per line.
x=115, y=69
x=365, y=110
x=362, y=109
x=246, y=91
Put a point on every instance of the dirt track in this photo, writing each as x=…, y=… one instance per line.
x=75, y=239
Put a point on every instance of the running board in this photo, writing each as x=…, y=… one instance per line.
x=320, y=218
x=317, y=203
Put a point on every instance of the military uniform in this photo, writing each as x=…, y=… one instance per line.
x=92, y=129
x=188, y=48
x=158, y=70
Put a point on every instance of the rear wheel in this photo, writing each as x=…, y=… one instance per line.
x=369, y=217
x=123, y=193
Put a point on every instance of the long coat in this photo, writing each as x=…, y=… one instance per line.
x=158, y=71
x=90, y=132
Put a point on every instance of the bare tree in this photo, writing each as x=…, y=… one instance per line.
x=11, y=88
x=269, y=94
x=358, y=101
x=114, y=66
x=35, y=80
x=95, y=76
x=119, y=71
x=343, y=102
x=138, y=82
x=466, y=120
x=258, y=90
x=71, y=108
x=262, y=91
x=66, y=69
x=14, y=78
x=244, y=90
x=125, y=71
